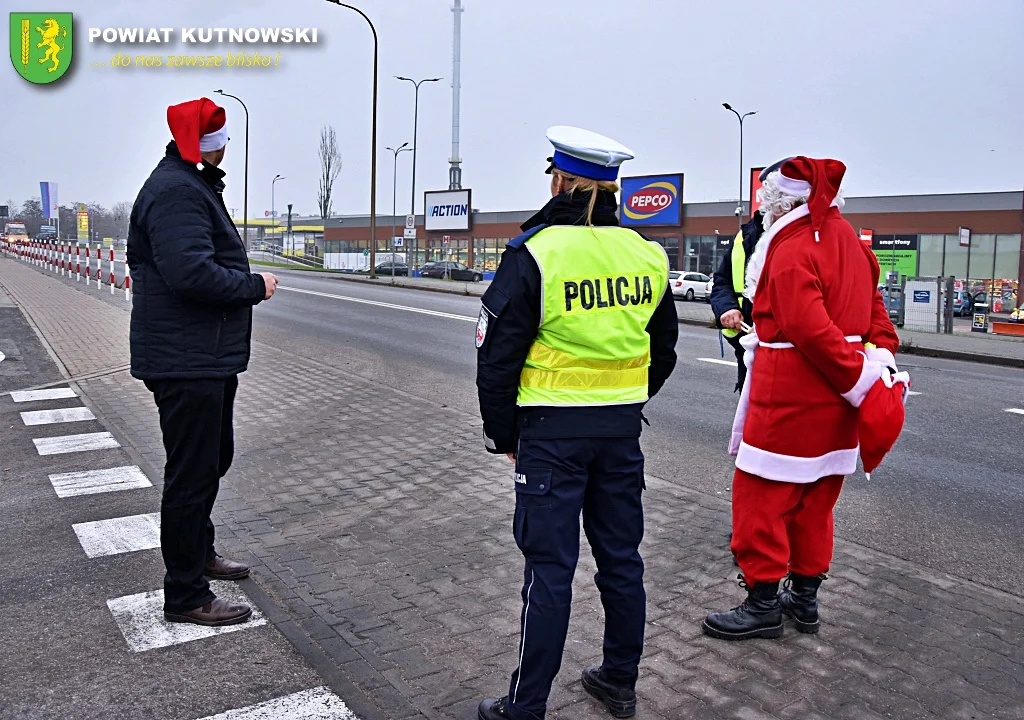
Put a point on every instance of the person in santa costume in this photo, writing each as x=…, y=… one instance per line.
x=824, y=390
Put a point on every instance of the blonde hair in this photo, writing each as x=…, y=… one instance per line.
x=587, y=185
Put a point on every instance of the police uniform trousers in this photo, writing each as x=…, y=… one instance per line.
x=196, y=418
x=779, y=527
x=557, y=480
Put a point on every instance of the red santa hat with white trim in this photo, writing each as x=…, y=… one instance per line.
x=198, y=126
x=820, y=178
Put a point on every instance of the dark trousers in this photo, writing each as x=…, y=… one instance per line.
x=196, y=422
x=556, y=481
x=741, y=368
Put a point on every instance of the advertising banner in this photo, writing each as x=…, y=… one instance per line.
x=447, y=210
x=48, y=199
x=755, y=185
x=652, y=200
x=896, y=253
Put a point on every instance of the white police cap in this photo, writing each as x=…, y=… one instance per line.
x=586, y=154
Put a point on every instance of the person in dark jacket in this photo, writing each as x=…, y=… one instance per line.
x=190, y=336
x=576, y=332
x=731, y=308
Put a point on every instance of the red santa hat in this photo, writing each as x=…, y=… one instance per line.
x=881, y=420
x=198, y=126
x=820, y=178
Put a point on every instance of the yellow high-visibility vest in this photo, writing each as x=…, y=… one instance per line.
x=601, y=286
x=739, y=272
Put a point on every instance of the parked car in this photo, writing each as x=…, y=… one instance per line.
x=453, y=270
x=689, y=285
x=388, y=268
x=707, y=290
x=963, y=303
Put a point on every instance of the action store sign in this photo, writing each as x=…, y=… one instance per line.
x=652, y=200
x=447, y=210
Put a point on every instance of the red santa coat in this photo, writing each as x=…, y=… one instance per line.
x=816, y=305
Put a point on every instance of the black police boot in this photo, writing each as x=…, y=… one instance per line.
x=493, y=709
x=618, y=699
x=799, y=600
x=757, y=616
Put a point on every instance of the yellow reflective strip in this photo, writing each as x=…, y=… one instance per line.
x=582, y=379
x=541, y=354
x=739, y=264
x=730, y=333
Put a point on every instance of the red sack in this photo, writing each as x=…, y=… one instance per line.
x=881, y=420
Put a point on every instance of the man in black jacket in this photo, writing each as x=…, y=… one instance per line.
x=732, y=310
x=190, y=334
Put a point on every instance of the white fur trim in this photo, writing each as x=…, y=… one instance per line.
x=756, y=264
x=789, y=468
x=881, y=355
x=791, y=186
x=870, y=373
x=215, y=140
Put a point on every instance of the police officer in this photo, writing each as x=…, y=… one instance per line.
x=732, y=310
x=576, y=332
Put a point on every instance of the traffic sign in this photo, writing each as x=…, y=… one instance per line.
x=366, y=252
x=410, y=233
x=410, y=222
x=399, y=241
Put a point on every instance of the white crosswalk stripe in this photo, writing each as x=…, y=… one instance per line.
x=314, y=704
x=93, y=482
x=717, y=361
x=20, y=396
x=119, y=535
x=141, y=619
x=75, y=443
x=60, y=415
x=1015, y=411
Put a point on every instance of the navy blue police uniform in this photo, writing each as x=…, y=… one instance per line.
x=569, y=460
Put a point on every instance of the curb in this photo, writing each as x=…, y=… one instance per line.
x=380, y=281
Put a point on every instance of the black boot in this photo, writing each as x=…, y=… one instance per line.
x=620, y=700
x=493, y=709
x=758, y=616
x=799, y=600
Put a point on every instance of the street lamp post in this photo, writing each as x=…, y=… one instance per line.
x=373, y=143
x=415, y=127
x=245, y=190
x=273, y=210
x=394, y=194
x=739, y=207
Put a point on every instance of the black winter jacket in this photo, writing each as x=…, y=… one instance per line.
x=192, y=307
x=723, y=298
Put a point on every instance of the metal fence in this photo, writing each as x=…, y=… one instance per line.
x=925, y=304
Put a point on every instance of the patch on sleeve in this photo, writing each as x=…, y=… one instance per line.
x=481, y=326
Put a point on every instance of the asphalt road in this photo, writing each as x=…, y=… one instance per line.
x=950, y=496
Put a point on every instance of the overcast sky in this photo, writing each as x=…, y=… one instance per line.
x=915, y=97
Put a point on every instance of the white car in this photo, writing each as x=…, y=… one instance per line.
x=689, y=285
x=707, y=290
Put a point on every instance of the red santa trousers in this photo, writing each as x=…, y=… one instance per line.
x=781, y=526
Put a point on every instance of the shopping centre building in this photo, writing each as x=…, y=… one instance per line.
x=971, y=236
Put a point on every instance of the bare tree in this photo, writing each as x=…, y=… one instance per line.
x=330, y=167
x=120, y=213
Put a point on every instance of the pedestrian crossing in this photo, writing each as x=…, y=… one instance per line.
x=139, y=616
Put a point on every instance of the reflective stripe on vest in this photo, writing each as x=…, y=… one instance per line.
x=739, y=272
x=600, y=288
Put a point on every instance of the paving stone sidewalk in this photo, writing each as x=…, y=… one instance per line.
x=389, y=553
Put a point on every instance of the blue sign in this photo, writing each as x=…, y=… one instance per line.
x=923, y=296
x=652, y=200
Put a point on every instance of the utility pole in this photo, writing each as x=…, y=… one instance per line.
x=739, y=205
x=455, y=171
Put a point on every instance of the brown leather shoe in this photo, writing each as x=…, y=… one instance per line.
x=215, y=613
x=220, y=568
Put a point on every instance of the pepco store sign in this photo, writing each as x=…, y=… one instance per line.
x=652, y=200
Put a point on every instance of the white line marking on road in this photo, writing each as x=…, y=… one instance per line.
x=75, y=443
x=141, y=619
x=1015, y=411
x=716, y=361
x=912, y=392
x=20, y=396
x=2, y=357
x=60, y=415
x=119, y=535
x=314, y=704
x=93, y=482
x=407, y=308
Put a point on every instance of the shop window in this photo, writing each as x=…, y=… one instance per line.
x=930, y=252
x=981, y=263
x=1006, y=293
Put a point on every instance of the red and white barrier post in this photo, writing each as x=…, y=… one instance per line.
x=113, y=280
x=99, y=268
x=78, y=263
x=127, y=280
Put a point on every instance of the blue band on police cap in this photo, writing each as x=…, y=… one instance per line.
x=575, y=166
